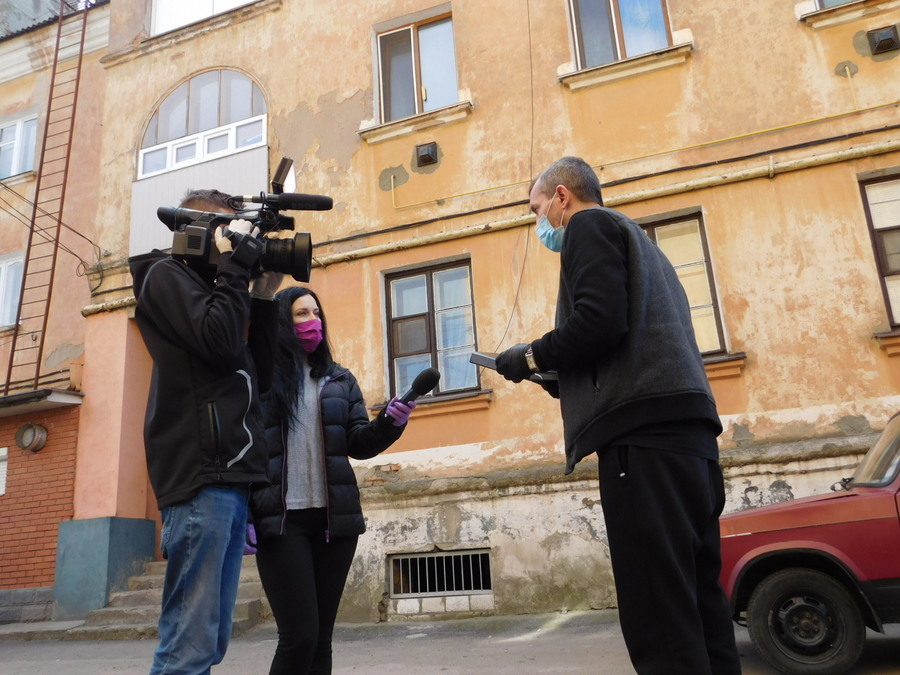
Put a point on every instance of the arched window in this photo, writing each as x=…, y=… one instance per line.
x=216, y=113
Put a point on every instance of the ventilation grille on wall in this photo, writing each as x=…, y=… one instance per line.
x=883, y=40
x=444, y=573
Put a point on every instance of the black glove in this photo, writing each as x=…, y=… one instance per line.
x=550, y=386
x=511, y=363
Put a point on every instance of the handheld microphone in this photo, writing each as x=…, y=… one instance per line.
x=424, y=382
x=292, y=201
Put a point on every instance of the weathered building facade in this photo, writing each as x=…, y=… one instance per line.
x=758, y=146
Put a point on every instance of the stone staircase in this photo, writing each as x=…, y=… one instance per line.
x=26, y=605
x=132, y=614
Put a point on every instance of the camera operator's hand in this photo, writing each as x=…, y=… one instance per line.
x=266, y=285
x=511, y=364
x=243, y=227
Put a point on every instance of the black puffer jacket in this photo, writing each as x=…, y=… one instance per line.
x=346, y=432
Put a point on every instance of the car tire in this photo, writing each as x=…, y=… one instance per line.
x=804, y=621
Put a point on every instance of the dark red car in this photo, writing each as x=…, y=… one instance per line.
x=807, y=576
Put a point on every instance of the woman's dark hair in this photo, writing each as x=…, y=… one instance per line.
x=289, y=361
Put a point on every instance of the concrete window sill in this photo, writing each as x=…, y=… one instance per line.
x=619, y=70
x=817, y=19
x=411, y=125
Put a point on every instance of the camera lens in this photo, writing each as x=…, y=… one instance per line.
x=289, y=256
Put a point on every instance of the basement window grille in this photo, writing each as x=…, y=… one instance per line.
x=440, y=574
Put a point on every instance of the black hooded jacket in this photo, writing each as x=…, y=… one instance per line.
x=346, y=432
x=203, y=424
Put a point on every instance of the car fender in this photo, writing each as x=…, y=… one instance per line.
x=758, y=563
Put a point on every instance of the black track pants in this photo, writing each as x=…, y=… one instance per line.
x=662, y=519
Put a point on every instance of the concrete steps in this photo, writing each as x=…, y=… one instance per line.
x=26, y=605
x=133, y=614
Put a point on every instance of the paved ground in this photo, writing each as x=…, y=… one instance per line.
x=575, y=642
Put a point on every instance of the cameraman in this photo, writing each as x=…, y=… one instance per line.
x=212, y=342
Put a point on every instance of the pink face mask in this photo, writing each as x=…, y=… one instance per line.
x=309, y=333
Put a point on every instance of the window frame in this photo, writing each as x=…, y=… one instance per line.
x=199, y=141
x=820, y=4
x=192, y=113
x=413, y=27
x=617, y=30
x=19, y=153
x=878, y=249
x=4, y=469
x=650, y=228
x=10, y=313
x=430, y=315
x=225, y=7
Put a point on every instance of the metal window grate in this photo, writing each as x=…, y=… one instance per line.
x=444, y=573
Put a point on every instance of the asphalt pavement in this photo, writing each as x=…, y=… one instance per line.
x=570, y=642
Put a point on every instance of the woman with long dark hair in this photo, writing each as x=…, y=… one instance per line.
x=308, y=521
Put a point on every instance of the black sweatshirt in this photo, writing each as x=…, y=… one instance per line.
x=623, y=344
x=203, y=424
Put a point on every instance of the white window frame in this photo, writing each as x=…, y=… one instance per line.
x=4, y=469
x=411, y=27
x=8, y=312
x=200, y=141
x=20, y=153
x=617, y=30
x=169, y=15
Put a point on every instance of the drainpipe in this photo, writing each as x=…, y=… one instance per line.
x=768, y=170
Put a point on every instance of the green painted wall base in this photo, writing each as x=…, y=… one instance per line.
x=94, y=558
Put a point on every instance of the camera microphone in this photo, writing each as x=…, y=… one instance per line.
x=424, y=382
x=291, y=201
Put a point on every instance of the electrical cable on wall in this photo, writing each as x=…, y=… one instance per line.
x=83, y=266
x=515, y=304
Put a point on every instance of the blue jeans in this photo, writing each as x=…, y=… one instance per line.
x=203, y=540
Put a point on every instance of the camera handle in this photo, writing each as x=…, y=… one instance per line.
x=247, y=249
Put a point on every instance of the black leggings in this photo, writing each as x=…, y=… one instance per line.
x=304, y=577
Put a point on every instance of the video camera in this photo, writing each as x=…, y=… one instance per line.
x=193, y=231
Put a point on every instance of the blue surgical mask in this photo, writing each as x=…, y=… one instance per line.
x=551, y=237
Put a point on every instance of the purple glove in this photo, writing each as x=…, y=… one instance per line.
x=250, y=541
x=399, y=411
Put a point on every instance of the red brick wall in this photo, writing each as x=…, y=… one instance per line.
x=39, y=493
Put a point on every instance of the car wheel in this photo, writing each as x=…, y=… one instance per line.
x=804, y=621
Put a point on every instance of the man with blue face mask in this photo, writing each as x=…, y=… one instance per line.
x=632, y=388
x=550, y=236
